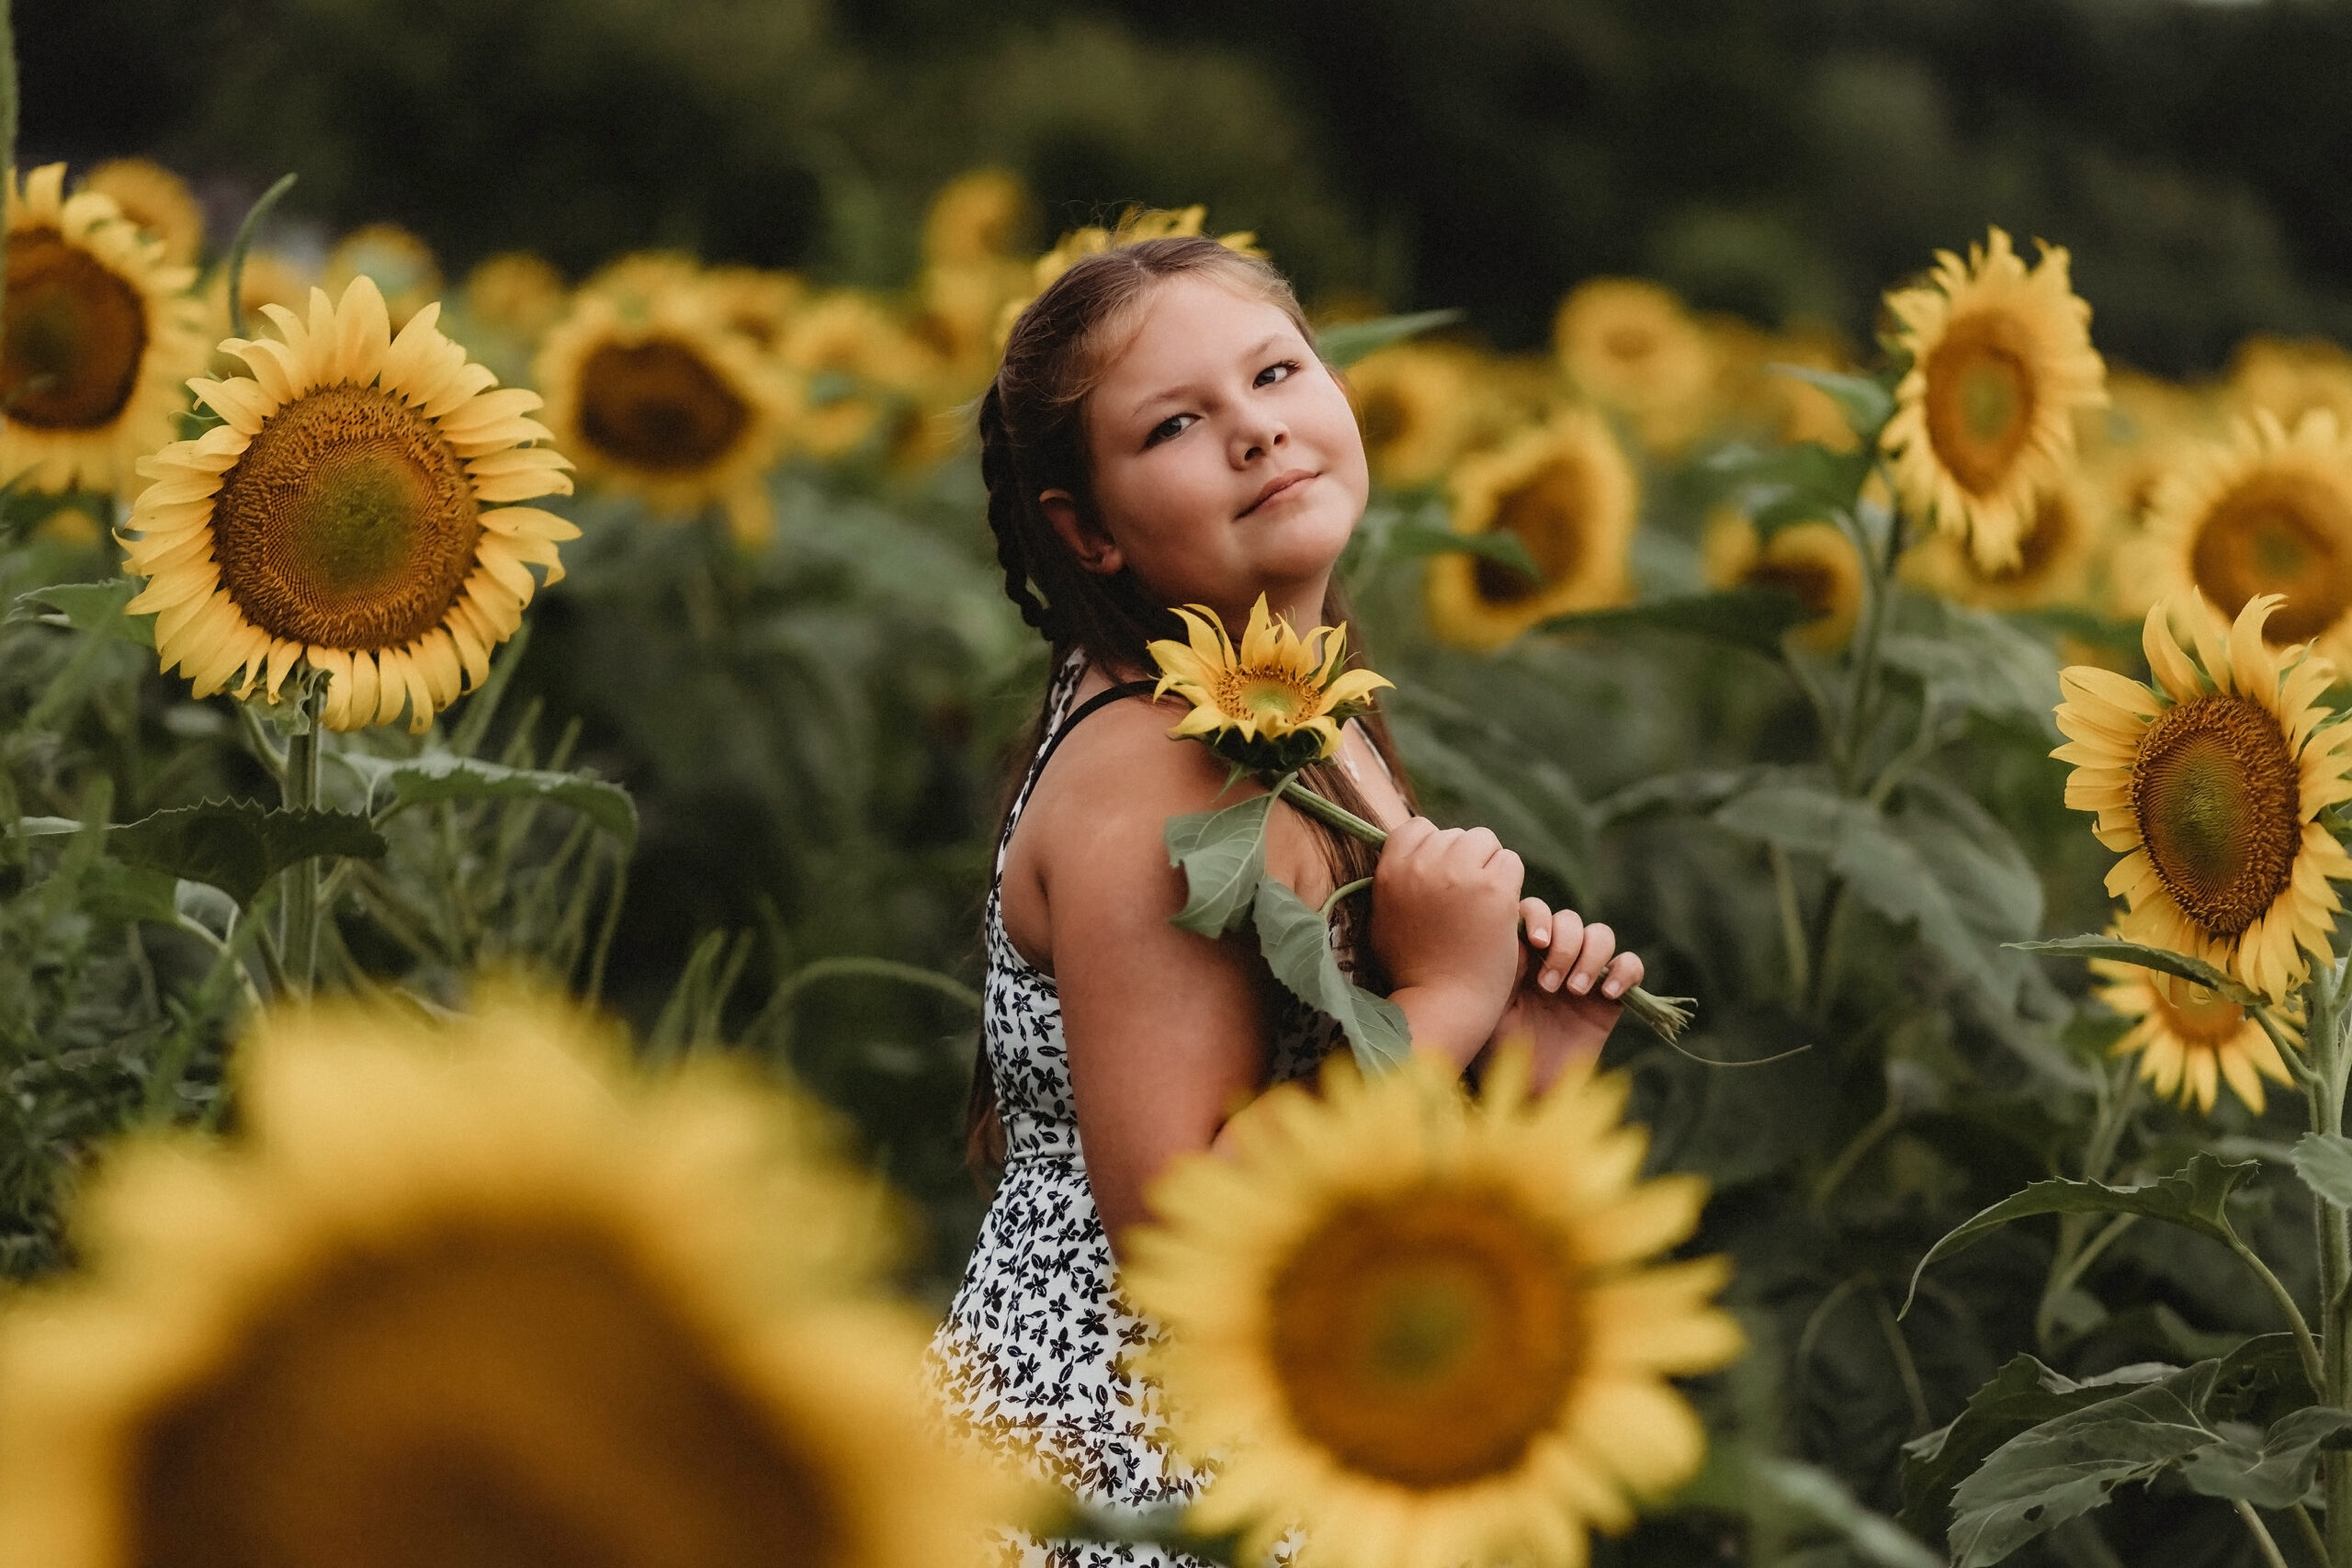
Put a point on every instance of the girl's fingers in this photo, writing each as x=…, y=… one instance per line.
x=1624, y=973
x=1568, y=941
x=1599, y=945
x=1536, y=916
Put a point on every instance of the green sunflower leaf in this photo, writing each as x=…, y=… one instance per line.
x=93, y=607
x=238, y=845
x=1502, y=549
x=2196, y=1197
x=2161, y=958
x=1753, y=618
x=442, y=775
x=2276, y=1471
x=1977, y=660
x=2324, y=1162
x=1297, y=945
x=1866, y=401
x=1223, y=856
x=1344, y=343
x=1739, y=1478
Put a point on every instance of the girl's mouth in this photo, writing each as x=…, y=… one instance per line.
x=1280, y=485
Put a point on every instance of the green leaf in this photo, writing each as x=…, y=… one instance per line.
x=93, y=607
x=2162, y=958
x=1753, y=618
x=2324, y=1162
x=1297, y=945
x=1503, y=547
x=2022, y=1396
x=1864, y=399
x=2275, y=1473
x=2068, y=1464
x=238, y=845
x=1344, y=343
x=1976, y=661
x=122, y=892
x=1739, y=1479
x=444, y=775
x=1781, y=485
x=1885, y=869
x=1223, y=856
x=2194, y=1197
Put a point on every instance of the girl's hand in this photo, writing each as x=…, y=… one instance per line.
x=1445, y=909
x=1571, y=978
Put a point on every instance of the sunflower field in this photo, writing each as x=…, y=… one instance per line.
x=501, y=747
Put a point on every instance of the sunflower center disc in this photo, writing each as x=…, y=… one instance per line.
x=1980, y=398
x=2196, y=1014
x=1814, y=582
x=2219, y=804
x=1384, y=420
x=1629, y=343
x=75, y=334
x=1266, y=698
x=658, y=405
x=2279, y=532
x=348, y=523
x=1426, y=1340
x=1548, y=515
x=524, y=1400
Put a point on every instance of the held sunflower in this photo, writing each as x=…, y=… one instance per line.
x=1423, y=1331
x=348, y=513
x=2268, y=512
x=467, y=1293
x=1568, y=492
x=1275, y=703
x=2211, y=783
x=2188, y=1039
x=660, y=399
x=98, y=335
x=2000, y=363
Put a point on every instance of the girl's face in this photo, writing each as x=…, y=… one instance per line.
x=1227, y=460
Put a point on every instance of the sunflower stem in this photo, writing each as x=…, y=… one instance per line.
x=299, y=791
x=2324, y=1022
x=245, y=243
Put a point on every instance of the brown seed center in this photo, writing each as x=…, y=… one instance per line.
x=2218, y=800
x=473, y=1400
x=1550, y=514
x=1427, y=1340
x=658, y=405
x=76, y=335
x=2279, y=532
x=1980, y=398
x=349, y=522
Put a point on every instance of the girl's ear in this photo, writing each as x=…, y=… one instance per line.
x=1080, y=534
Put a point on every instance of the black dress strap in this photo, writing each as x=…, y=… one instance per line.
x=1093, y=704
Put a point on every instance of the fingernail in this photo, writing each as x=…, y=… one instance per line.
x=1612, y=989
x=1579, y=984
x=1550, y=980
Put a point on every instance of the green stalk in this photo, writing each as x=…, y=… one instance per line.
x=1666, y=1016
x=2322, y=1011
x=299, y=792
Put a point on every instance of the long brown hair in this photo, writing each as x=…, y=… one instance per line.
x=1032, y=439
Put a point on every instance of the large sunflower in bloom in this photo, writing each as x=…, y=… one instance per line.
x=2188, y=1039
x=2211, y=782
x=2001, y=362
x=657, y=398
x=2266, y=511
x=1566, y=492
x=1274, y=703
x=470, y=1294
x=98, y=335
x=1423, y=1331
x=349, y=513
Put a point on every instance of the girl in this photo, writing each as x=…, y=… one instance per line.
x=1162, y=433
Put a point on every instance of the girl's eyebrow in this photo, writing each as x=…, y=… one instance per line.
x=1177, y=392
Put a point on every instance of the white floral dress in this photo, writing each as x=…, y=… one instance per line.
x=1031, y=1362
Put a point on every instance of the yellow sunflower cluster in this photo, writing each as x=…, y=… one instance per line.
x=473, y=1292
x=1418, y=1329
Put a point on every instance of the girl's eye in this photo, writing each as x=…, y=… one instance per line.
x=1281, y=370
x=1168, y=428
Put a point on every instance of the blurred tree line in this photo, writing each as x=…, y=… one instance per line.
x=1778, y=157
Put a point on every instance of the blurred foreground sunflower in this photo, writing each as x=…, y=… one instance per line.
x=1566, y=490
x=402, y=266
x=98, y=334
x=659, y=399
x=1421, y=1331
x=2266, y=511
x=2211, y=784
x=468, y=1295
x=2056, y=556
x=348, y=513
x=1274, y=704
x=2188, y=1039
x=2000, y=363
x=1815, y=561
x=1629, y=346
x=156, y=200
